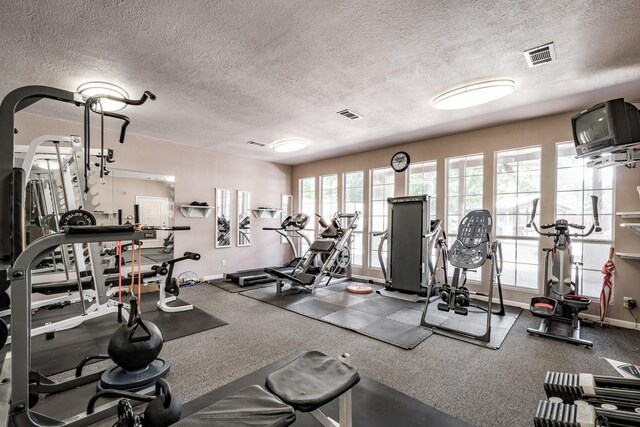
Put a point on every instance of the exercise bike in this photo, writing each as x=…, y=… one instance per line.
x=561, y=301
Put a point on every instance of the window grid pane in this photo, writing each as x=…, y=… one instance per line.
x=464, y=194
x=422, y=180
x=353, y=190
x=308, y=206
x=576, y=183
x=517, y=178
x=382, y=187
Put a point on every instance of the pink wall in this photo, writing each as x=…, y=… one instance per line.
x=546, y=132
x=198, y=173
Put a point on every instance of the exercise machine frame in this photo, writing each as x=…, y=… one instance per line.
x=333, y=243
x=563, y=304
x=472, y=248
x=411, y=240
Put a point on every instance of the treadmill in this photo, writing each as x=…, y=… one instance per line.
x=290, y=228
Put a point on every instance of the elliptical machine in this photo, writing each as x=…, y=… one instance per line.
x=561, y=300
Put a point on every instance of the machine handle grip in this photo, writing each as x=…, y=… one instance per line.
x=546, y=226
x=596, y=219
x=578, y=226
x=533, y=212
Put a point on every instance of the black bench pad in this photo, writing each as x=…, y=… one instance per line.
x=62, y=286
x=312, y=380
x=252, y=406
x=302, y=279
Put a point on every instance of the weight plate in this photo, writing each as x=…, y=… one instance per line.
x=344, y=258
x=76, y=217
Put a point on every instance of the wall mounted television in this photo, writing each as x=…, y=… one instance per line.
x=606, y=127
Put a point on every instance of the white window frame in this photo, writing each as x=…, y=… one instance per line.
x=591, y=274
x=373, y=261
x=350, y=206
x=420, y=170
x=328, y=196
x=462, y=200
x=308, y=208
x=517, y=202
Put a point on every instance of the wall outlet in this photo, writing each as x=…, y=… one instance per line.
x=629, y=302
x=224, y=262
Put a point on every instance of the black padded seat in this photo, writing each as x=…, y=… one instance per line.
x=252, y=406
x=145, y=274
x=301, y=279
x=322, y=245
x=62, y=286
x=312, y=380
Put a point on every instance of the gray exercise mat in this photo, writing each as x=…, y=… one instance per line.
x=386, y=319
x=475, y=323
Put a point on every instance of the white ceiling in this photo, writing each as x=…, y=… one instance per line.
x=226, y=72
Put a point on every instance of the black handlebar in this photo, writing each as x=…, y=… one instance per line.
x=562, y=225
x=533, y=212
x=596, y=219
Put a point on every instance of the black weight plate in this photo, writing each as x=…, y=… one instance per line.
x=76, y=217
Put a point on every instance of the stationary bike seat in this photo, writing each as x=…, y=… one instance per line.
x=577, y=302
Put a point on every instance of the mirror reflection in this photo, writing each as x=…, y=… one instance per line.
x=244, y=218
x=223, y=214
x=153, y=193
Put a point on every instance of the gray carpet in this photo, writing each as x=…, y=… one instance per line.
x=480, y=386
x=386, y=319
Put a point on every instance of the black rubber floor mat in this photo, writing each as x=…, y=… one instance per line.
x=232, y=287
x=474, y=323
x=368, y=314
x=374, y=404
x=92, y=337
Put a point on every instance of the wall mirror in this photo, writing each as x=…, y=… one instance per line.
x=244, y=219
x=120, y=189
x=223, y=218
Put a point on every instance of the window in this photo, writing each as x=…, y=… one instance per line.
x=422, y=180
x=353, y=190
x=517, y=183
x=308, y=206
x=329, y=196
x=575, y=184
x=382, y=187
x=464, y=194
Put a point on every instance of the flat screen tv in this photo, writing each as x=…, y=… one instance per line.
x=605, y=127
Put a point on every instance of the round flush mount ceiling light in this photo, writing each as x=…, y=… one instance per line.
x=99, y=89
x=289, y=145
x=475, y=94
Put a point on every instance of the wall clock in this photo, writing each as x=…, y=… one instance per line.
x=400, y=161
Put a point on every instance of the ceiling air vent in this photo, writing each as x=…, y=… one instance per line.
x=259, y=144
x=349, y=114
x=540, y=55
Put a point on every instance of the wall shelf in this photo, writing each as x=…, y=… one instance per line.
x=628, y=215
x=628, y=255
x=265, y=212
x=195, y=211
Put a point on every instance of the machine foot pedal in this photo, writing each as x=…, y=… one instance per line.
x=461, y=310
x=443, y=307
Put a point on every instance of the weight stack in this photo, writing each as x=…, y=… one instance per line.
x=551, y=414
x=563, y=385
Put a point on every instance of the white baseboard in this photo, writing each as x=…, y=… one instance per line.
x=214, y=276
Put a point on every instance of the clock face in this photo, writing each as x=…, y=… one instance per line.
x=400, y=161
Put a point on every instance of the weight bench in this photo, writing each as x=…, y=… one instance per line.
x=304, y=385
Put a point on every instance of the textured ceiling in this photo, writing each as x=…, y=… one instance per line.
x=226, y=72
